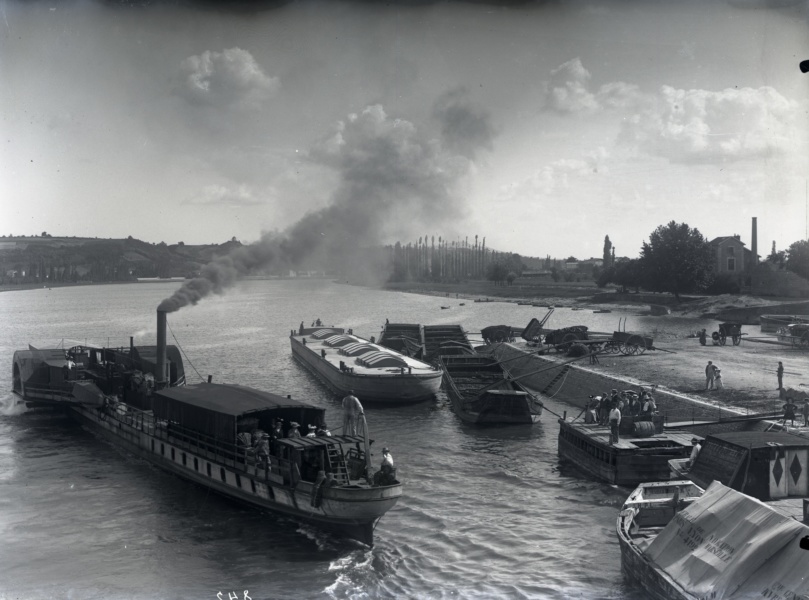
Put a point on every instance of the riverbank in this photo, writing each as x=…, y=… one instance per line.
x=678, y=366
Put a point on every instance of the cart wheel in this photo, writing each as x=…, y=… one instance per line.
x=737, y=339
x=635, y=344
x=722, y=338
x=567, y=341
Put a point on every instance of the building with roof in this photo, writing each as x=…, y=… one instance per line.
x=731, y=257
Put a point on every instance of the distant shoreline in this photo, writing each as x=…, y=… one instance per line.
x=9, y=287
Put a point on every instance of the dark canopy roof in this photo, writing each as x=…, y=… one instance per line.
x=213, y=409
x=227, y=399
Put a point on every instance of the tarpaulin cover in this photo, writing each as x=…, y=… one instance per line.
x=727, y=545
x=381, y=359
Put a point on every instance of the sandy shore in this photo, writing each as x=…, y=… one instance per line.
x=748, y=370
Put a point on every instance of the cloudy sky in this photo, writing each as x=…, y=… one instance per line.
x=542, y=126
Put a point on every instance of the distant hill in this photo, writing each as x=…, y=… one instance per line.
x=71, y=260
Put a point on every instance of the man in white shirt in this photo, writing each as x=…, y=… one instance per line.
x=694, y=452
x=615, y=421
x=352, y=411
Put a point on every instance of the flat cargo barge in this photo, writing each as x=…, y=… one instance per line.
x=346, y=362
x=635, y=459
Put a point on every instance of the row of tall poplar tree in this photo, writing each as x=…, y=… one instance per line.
x=442, y=259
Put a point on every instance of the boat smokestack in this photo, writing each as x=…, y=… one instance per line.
x=754, y=241
x=160, y=373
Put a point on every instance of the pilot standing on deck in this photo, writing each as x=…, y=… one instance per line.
x=352, y=412
x=387, y=472
x=615, y=421
x=387, y=461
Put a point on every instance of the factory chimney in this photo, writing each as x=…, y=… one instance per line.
x=160, y=372
x=754, y=242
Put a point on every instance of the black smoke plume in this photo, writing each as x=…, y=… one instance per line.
x=394, y=180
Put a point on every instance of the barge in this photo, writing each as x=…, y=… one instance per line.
x=481, y=392
x=346, y=362
x=234, y=440
x=735, y=527
x=642, y=454
x=425, y=342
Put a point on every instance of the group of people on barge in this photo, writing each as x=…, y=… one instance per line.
x=608, y=409
x=629, y=402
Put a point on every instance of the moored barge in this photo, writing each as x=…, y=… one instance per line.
x=642, y=454
x=346, y=362
x=482, y=393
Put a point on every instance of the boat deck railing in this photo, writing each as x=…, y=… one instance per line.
x=63, y=391
x=237, y=456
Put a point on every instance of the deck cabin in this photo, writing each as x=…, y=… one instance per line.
x=223, y=419
x=83, y=374
x=768, y=465
x=641, y=455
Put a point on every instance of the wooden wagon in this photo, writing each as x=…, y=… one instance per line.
x=628, y=343
x=732, y=331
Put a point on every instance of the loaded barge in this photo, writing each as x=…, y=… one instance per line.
x=425, y=342
x=481, y=393
x=642, y=453
x=214, y=435
x=346, y=362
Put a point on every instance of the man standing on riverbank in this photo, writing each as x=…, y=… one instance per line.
x=710, y=373
x=780, y=372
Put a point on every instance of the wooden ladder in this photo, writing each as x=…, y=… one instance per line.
x=553, y=381
x=338, y=466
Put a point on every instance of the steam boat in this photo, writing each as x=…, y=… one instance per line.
x=347, y=362
x=214, y=435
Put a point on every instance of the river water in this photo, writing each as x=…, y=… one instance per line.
x=486, y=512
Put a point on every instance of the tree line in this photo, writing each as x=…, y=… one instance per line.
x=678, y=259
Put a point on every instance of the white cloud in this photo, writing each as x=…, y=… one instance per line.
x=701, y=125
x=231, y=78
x=556, y=178
x=681, y=125
x=567, y=88
x=222, y=195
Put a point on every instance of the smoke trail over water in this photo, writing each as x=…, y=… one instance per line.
x=394, y=180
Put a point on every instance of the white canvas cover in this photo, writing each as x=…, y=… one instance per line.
x=729, y=546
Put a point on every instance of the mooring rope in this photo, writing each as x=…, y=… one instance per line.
x=201, y=378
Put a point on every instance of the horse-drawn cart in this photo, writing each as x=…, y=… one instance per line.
x=628, y=343
x=732, y=331
x=563, y=338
